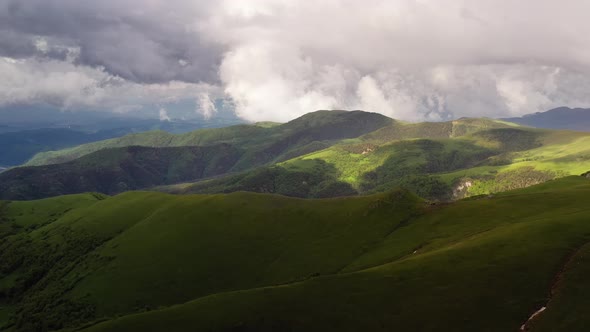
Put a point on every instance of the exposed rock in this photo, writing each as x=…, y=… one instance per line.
x=461, y=189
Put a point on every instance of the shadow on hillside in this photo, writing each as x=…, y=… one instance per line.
x=411, y=164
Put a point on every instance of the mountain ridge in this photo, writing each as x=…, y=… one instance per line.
x=557, y=118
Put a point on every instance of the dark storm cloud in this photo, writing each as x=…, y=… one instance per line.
x=142, y=41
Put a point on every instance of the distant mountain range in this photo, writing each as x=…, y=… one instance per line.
x=558, y=118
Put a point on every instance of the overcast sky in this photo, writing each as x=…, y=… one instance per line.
x=278, y=59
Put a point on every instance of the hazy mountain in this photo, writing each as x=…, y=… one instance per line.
x=19, y=146
x=558, y=118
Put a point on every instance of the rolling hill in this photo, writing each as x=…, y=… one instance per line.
x=322, y=154
x=258, y=145
x=116, y=170
x=265, y=142
x=253, y=262
x=18, y=145
x=453, y=160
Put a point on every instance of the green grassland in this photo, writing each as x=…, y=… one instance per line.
x=264, y=141
x=257, y=262
x=322, y=154
x=487, y=157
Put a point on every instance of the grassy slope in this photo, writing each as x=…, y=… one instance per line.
x=139, y=250
x=115, y=170
x=352, y=162
x=561, y=153
x=315, y=158
x=110, y=167
x=150, y=139
x=265, y=142
x=482, y=265
x=431, y=159
x=258, y=262
x=482, y=157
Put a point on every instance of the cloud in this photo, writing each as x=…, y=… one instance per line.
x=164, y=115
x=70, y=86
x=206, y=105
x=141, y=41
x=278, y=59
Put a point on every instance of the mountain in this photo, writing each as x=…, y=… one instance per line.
x=120, y=169
x=451, y=161
x=265, y=142
x=322, y=154
x=558, y=118
x=255, y=145
x=147, y=261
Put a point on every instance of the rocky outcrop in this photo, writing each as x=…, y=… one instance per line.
x=586, y=175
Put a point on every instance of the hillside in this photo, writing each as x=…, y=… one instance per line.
x=112, y=170
x=327, y=154
x=253, y=262
x=265, y=143
x=453, y=160
x=558, y=118
x=18, y=145
x=116, y=170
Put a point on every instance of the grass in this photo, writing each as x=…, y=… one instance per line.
x=266, y=141
x=115, y=170
x=491, y=160
x=257, y=262
x=481, y=265
x=322, y=154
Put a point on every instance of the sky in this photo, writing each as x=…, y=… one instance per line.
x=275, y=60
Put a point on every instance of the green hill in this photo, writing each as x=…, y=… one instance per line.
x=252, y=262
x=322, y=154
x=116, y=170
x=485, y=158
x=117, y=165
x=264, y=142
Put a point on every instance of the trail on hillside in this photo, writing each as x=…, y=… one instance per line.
x=555, y=286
